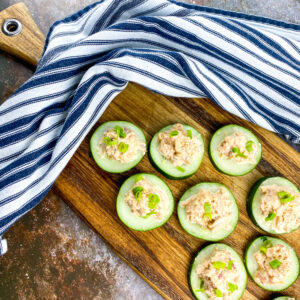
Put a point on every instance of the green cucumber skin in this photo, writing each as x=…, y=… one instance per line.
x=211, y=240
x=249, y=202
x=192, y=264
x=218, y=168
x=96, y=159
x=167, y=175
x=251, y=275
x=143, y=230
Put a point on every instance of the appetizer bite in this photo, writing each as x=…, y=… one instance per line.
x=235, y=150
x=284, y=298
x=118, y=146
x=272, y=263
x=177, y=151
x=144, y=202
x=218, y=272
x=273, y=204
x=208, y=211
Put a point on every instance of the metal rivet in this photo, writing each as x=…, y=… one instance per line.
x=12, y=27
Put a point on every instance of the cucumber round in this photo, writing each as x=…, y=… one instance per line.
x=165, y=167
x=110, y=165
x=283, y=298
x=203, y=255
x=251, y=264
x=195, y=229
x=253, y=203
x=139, y=223
x=226, y=165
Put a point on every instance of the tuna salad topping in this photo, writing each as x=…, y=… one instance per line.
x=219, y=276
x=238, y=148
x=281, y=206
x=209, y=210
x=146, y=199
x=178, y=145
x=273, y=263
x=121, y=144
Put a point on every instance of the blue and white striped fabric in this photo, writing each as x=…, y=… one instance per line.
x=248, y=65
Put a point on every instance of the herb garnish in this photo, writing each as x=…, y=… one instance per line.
x=218, y=293
x=238, y=152
x=207, y=210
x=189, y=134
x=232, y=287
x=284, y=197
x=270, y=216
x=180, y=169
x=174, y=133
x=110, y=142
x=123, y=147
x=219, y=265
x=275, y=263
x=120, y=132
x=153, y=201
x=201, y=289
x=249, y=146
x=267, y=244
x=137, y=192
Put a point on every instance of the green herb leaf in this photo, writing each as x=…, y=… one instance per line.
x=270, y=216
x=230, y=263
x=189, y=133
x=138, y=178
x=218, y=293
x=180, y=169
x=137, y=192
x=120, y=132
x=284, y=197
x=219, y=265
x=149, y=214
x=153, y=201
x=201, y=289
x=174, y=133
x=123, y=147
x=238, y=152
x=232, y=287
x=110, y=142
x=249, y=146
x=275, y=263
x=207, y=210
x=267, y=244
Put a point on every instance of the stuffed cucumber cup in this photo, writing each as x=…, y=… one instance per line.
x=234, y=150
x=284, y=298
x=271, y=263
x=208, y=211
x=118, y=146
x=144, y=202
x=217, y=271
x=273, y=205
x=176, y=151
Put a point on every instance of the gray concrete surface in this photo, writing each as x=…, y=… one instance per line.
x=52, y=253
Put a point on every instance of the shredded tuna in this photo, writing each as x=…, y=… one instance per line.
x=178, y=149
x=113, y=152
x=228, y=149
x=140, y=206
x=219, y=278
x=265, y=274
x=287, y=214
x=221, y=209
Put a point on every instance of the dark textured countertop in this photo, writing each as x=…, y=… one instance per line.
x=52, y=253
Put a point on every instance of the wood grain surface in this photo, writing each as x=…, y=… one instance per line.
x=163, y=256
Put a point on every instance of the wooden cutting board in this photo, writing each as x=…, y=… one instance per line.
x=161, y=256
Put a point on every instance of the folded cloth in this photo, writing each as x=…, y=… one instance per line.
x=248, y=65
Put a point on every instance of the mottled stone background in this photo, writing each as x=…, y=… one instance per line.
x=52, y=253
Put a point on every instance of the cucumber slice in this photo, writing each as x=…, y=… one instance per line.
x=110, y=165
x=195, y=229
x=226, y=165
x=139, y=223
x=251, y=264
x=165, y=167
x=253, y=203
x=206, y=253
x=284, y=298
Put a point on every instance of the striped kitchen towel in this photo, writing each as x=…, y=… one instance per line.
x=248, y=65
